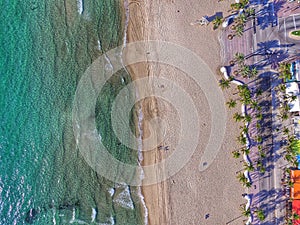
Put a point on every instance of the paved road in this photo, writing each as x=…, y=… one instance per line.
x=285, y=25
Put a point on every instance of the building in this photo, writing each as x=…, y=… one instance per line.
x=292, y=86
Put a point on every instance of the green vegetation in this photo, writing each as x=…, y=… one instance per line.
x=260, y=214
x=296, y=216
x=236, y=154
x=241, y=5
x=231, y=104
x=245, y=151
x=245, y=212
x=249, y=167
x=224, y=84
x=239, y=58
x=238, y=117
x=296, y=32
x=242, y=139
x=217, y=22
x=285, y=71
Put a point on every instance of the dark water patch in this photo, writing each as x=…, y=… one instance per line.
x=31, y=215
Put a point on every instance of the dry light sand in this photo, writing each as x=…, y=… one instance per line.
x=189, y=195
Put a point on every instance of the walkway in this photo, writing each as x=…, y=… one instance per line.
x=268, y=44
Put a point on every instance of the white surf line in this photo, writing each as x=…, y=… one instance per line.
x=80, y=6
x=140, y=116
x=73, y=216
x=126, y=7
x=245, y=156
x=94, y=214
x=140, y=159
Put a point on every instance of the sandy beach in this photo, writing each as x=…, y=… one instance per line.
x=190, y=196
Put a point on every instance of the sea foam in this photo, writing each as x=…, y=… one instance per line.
x=80, y=6
x=124, y=199
x=94, y=214
x=111, y=191
x=126, y=7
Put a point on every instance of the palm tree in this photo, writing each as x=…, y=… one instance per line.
x=289, y=157
x=259, y=163
x=285, y=106
x=246, y=99
x=245, y=71
x=236, y=154
x=254, y=105
x=241, y=19
x=284, y=70
x=254, y=72
x=217, y=22
x=286, y=131
x=247, y=184
x=241, y=5
x=242, y=139
x=238, y=117
x=290, y=183
x=241, y=177
x=258, y=108
x=245, y=151
x=291, y=139
x=259, y=139
x=282, y=87
x=262, y=169
x=284, y=116
x=287, y=170
x=249, y=167
x=262, y=155
x=239, y=30
x=258, y=126
x=223, y=83
x=231, y=103
x=259, y=116
x=259, y=92
x=244, y=3
x=292, y=98
x=250, y=12
x=284, y=66
x=259, y=147
x=235, y=6
x=246, y=212
x=296, y=216
x=244, y=129
x=239, y=58
x=260, y=214
x=248, y=118
x=289, y=221
x=243, y=88
x=245, y=94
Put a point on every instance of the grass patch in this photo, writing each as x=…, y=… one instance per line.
x=296, y=32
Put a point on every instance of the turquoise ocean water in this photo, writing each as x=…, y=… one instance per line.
x=45, y=47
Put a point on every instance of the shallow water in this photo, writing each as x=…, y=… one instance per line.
x=45, y=48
